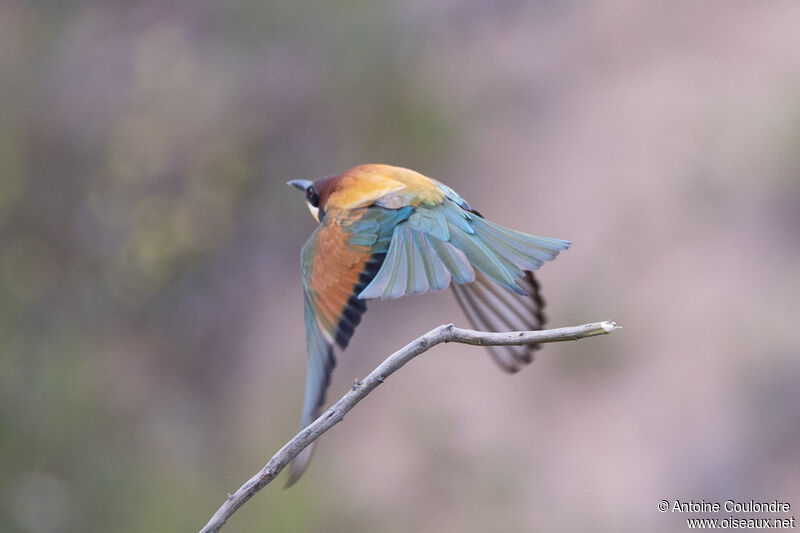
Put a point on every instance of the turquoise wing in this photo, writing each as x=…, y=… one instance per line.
x=443, y=242
x=490, y=268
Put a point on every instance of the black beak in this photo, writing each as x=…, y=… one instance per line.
x=300, y=184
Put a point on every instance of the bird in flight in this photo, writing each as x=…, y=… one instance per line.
x=385, y=232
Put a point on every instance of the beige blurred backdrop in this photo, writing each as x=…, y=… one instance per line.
x=152, y=354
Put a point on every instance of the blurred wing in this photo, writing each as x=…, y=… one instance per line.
x=338, y=260
x=491, y=308
x=445, y=241
x=320, y=362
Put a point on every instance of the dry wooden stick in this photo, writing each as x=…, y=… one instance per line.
x=335, y=414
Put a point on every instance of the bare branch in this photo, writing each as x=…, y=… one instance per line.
x=335, y=414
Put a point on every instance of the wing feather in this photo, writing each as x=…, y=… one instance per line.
x=339, y=259
x=489, y=308
x=490, y=265
x=443, y=242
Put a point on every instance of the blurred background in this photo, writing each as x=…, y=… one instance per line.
x=152, y=354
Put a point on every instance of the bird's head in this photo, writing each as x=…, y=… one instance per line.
x=312, y=195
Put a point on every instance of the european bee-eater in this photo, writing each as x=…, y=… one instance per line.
x=387, y=231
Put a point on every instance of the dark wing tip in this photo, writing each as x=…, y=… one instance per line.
x=489, y=307
x=355, y=307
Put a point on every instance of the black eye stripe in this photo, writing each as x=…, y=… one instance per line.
x=312, y=197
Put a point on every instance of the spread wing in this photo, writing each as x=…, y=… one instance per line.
x=491, y=266
x=446, y=241
x=339, y=259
